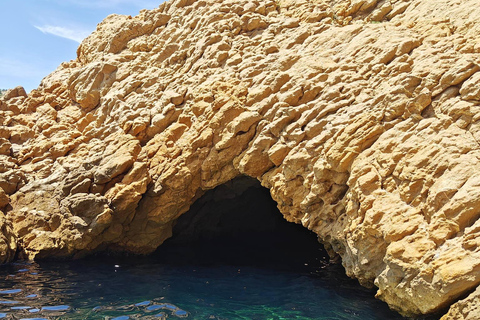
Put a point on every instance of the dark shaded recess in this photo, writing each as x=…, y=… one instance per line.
x=238, y=223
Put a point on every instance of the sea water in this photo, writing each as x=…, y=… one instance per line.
x=165, y=287
x=230, y=257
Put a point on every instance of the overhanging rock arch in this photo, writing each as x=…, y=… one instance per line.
x=347, y=124
x=237, y=223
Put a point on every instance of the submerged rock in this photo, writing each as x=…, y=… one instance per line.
x=361, y=117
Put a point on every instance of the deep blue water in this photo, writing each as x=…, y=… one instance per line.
x=153, y=288
x=232, y=256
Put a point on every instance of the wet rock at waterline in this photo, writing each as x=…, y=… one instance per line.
x=360, y=117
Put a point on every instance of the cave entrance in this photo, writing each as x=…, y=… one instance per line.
x=238, y=223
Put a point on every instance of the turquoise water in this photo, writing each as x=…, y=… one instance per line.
x=162, y=287
x=232, y=256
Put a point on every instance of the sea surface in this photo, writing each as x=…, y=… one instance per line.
x=167, y=288
x=232, y=256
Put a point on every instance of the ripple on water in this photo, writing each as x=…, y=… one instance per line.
x=181, y=313
x=81, y=291
x=11, y=291
x=169, y=306
x=56, y=308
x=20, y=308
x=143, y=304
x=154, y=307
x=9, y=302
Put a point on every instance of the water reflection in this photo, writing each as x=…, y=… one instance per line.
x=33, y=292
x=149, y=289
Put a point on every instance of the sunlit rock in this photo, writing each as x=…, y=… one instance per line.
x=361, y=117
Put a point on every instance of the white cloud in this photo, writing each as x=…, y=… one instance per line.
x=72, y=34
x=149, y=4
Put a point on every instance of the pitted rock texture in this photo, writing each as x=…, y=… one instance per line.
x=466, y=309
x=361, y=117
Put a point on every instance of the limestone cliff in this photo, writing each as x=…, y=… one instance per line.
x=360, y=116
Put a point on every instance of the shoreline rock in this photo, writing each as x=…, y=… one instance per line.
x=360, y=117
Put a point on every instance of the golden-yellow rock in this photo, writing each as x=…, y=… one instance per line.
x=361, y=117
x=8, y=241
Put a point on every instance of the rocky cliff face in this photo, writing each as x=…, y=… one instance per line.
x=361, y=117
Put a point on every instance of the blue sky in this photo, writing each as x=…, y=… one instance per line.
x=37, y=35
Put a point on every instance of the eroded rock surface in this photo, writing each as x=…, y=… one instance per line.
x=465, y=309
x=361, y=117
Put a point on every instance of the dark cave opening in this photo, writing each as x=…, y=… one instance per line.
x=238, y=223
